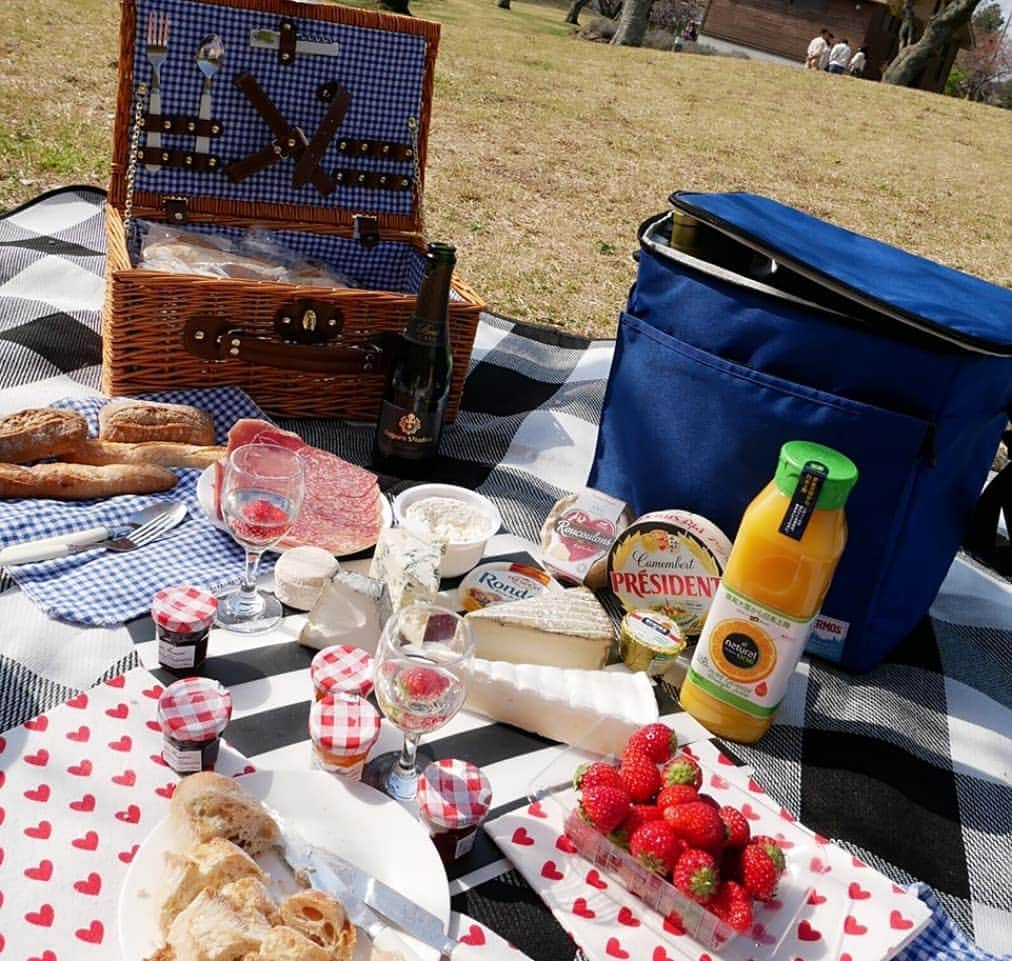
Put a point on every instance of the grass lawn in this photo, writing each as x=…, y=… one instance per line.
x=546, y=152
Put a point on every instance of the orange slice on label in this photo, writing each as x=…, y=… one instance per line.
x=742, y=651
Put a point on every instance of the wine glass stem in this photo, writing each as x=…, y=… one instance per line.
x=248, y=597
x=406, y=762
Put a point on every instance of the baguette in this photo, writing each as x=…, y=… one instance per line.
x=207, y=805
x=163, y=453
x=135, y=421
x=72, y=482
x=29, y=435
x=321, y=918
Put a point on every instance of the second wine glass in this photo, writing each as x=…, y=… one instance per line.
x=422, y=658
x=261, y=495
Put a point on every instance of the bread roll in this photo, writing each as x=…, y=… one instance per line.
x=164, y=453
x=211, y=866
x=210, y=928
x=30, y=435
x=134, y=421
x=286, y=944
x=74, y=482
x=250, y=899
x=321, y=918
x=208, y=805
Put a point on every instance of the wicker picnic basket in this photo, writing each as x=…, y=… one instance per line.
x=313, y=133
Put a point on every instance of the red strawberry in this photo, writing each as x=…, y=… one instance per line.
x=656, y=740
x=733, y=905
x=587, y=775
x=736, y=825
x=695, y=874
x=676, y=794
x=773, y=849
x=711, y=800
x=424, y=684
x=758, y=872
x=640, y=776
x=698, y=824
x=682, y=770
x=605, y=807
x=656, y=846
x=638, y=814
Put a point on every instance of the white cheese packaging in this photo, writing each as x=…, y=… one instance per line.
x=594, y=710
x=566, y=628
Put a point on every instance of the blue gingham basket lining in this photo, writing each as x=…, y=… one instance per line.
x=101, y=588
x=383, y=70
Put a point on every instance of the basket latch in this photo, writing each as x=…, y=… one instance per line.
x=309, y=322
x=365, y=229
x=287, y=40
x=177, y=210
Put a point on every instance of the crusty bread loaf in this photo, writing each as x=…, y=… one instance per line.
x=210, y=928
x=165, y=453
x=29, y=435
x=321, y=918
x=210, y=866
x=74, y=482
x=134, y=421
x=208, y=805
x=283, y=943
x=250, y=899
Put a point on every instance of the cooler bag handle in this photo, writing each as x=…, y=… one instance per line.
x=981, y=540
x=219, y=339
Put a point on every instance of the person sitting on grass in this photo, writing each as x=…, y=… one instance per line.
x=839, y=57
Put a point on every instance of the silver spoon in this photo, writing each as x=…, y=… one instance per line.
x=210, y=55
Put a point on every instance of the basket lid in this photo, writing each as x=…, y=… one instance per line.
x=302, y=113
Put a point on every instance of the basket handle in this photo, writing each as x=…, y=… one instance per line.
x=220, y=339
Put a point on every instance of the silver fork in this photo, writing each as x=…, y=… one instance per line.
x=144, y=534
x=157, y=50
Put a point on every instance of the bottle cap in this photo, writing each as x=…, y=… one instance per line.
x=194, y=709
x=344, y=724
x=840, y=478
x=453, y=794
x=343, y=669
x=183, y=609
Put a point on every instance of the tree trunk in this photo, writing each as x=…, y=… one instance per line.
x=574, y=11
x=909, y=64
x=503, y=4
x=633, y=25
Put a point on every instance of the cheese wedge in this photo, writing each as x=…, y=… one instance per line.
x=594, y=710
x=559, y=629
x=408, y=565
x=350, y=610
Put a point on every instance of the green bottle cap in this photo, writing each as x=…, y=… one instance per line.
x=840, y=479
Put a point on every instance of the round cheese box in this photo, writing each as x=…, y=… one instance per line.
x=669, y=561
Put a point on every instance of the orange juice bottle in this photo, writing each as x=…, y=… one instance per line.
x=790, y=540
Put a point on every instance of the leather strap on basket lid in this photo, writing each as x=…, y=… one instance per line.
x=982, y=539
x=329, y=218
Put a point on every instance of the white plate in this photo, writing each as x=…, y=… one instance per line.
x=354, y=820
x=205, y=497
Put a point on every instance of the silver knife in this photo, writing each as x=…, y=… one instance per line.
x=301, y=858
x=270, y=40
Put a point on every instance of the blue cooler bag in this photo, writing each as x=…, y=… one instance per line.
x=765, y=325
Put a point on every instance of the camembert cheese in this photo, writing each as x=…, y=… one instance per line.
x=561, y=629
x=593, y=710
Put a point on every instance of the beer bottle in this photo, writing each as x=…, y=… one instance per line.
x=418, y=378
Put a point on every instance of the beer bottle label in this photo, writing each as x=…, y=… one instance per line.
x=406, y=433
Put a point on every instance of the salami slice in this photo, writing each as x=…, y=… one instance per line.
x=341, y=511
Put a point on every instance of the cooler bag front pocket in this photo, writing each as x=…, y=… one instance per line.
x=683, y=428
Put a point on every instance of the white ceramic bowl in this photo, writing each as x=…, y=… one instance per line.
x=460, y=557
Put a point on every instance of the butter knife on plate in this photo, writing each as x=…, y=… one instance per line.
x=371, y=905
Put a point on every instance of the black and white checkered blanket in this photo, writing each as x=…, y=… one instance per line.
x=907, y=766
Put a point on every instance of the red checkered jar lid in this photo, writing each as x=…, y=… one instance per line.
x=342, y=669
x=453, y=794
x=194, y=709
x=344, y=724
x=183, y=609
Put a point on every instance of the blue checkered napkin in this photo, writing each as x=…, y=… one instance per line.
x=103, y=588
x=942, y=939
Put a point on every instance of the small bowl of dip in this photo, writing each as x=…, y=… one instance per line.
x=455, y=517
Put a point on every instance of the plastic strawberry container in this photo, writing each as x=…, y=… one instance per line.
x=771, y=922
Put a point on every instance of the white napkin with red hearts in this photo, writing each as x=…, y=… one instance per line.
x=842, y=909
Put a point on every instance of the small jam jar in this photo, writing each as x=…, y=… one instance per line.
x=453, y=799
x=183, y=616
x=192, y=713
x=342, y=669
x=343, y=728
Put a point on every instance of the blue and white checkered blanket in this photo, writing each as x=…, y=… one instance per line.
x=104, y=588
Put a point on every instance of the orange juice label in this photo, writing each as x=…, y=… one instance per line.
x=746, y=653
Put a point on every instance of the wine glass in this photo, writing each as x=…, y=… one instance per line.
x=421, y=659
x=261, y=494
